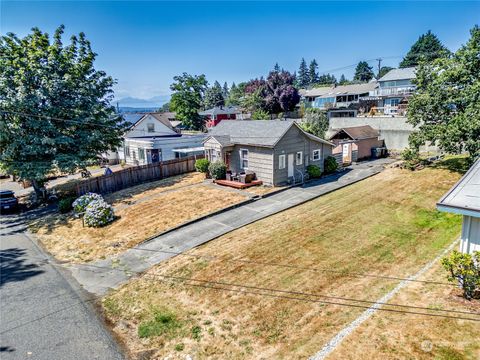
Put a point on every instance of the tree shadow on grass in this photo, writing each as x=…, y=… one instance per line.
x=14, y=266
x=458, y=164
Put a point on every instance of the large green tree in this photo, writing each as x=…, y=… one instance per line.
x=187, y=99
x=427, y=48
x=214, y=96
x=446, y=105
x=54, y=106
x=237, y=92
x=363, y=72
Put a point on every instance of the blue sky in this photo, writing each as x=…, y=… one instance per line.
x=144, y=44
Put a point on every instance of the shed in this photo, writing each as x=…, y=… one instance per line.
x=355, y=143
x=464, y=199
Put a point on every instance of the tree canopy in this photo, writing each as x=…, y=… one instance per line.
x=312, y=72
x=427, y=48
x=55, y=107
x=214, y=96
x=187, y=99
x=363, y=72
x=446, y=105
x=315, y=122
x=235, y=94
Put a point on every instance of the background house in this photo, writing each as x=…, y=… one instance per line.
x=394, y=89
x=464, y=199
x=152, y=138
x=278, y=151
x=354, y=143
x=214, y=115
x=338, y=101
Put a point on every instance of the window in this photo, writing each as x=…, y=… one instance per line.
x=281, y=162
x=299, y=158
x=244, y=158
x=127, y=151
x=141, y=154
x=151, y=127
x=316, y=155
x=134, y=156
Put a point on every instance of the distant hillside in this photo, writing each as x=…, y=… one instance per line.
x=128, y=109
x=153, y=103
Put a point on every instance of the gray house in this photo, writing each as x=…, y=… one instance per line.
x=278, y=151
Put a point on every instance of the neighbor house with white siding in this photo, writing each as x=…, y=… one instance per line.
x=277, y=151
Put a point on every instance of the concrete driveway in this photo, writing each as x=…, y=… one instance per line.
x=44, y=315
x=98, y=277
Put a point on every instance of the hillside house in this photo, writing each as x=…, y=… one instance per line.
x=277, y=151
x=394, y=89
x=339, y=100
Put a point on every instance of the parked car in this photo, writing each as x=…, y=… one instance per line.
x=8, y=201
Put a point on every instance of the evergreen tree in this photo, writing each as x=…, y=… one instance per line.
x=236, y=94
x=303, y=78
x=326, y=79
x=363, y=72
x=55, y=107
x=427, y=48
x=276, y=68
x=343, y=80
x=225, y=90
x=214, y=96
x=312, y=72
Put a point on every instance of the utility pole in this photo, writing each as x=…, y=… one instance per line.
x=379, y=66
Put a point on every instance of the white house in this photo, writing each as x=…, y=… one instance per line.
x=152, y=138
x=464, y=199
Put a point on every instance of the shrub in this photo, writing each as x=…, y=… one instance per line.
x=411, y=159
x=80, y=205
x=98, y=213
x=313, y=171
x=65, y=205
x=330, y=164
x=202, y=165
x=218, y=170
x=464, y=269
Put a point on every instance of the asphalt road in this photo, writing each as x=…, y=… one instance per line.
x=43, y=313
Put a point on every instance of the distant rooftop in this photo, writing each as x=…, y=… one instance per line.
x=219, y=110
x=399, y=74
x=464, y=197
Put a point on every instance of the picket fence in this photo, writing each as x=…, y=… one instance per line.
x=136, y=175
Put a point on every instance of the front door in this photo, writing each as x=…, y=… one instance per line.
x=347, y=153
x=228, y=154
x=155, y=156
x=291, y=158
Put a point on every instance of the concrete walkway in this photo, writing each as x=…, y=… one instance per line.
x=105, y=274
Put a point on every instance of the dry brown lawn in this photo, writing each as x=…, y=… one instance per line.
x=384, y=225
x=262, y=190
x=149, y=213
x=397, y=336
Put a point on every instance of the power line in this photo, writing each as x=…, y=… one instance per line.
x=296, y=293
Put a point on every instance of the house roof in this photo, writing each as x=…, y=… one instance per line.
x=164, y=117
x=255, y=132
x=219, y=110
x=464, y=197
x=328, y=91
x=358, y=132
x=399, y=74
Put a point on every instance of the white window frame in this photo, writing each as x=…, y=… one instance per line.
x=299, y=159
x=243, y=158
x=282, y=162
x=152, y=129
x=317, y=152
x=127, y=151
x=141, y=154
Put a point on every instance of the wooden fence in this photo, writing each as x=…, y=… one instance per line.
x=135, y=175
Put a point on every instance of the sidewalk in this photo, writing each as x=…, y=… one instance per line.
x=98, y=281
